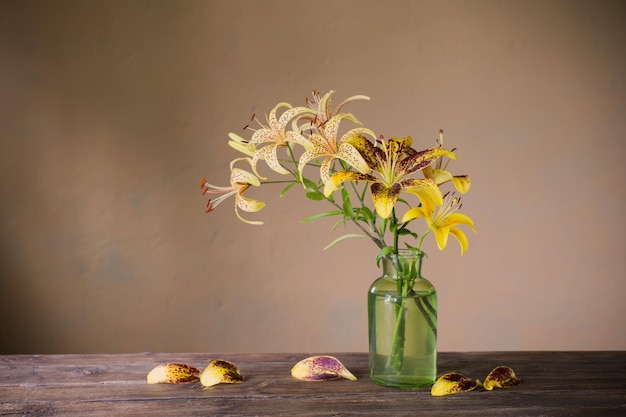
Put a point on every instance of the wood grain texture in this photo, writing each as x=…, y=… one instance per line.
x=553, y=384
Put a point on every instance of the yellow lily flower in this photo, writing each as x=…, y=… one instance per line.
x=441, y=176
x=240, y=181
x=444, y=222
x=325, y=144
x=277, y=136
x=394, y=161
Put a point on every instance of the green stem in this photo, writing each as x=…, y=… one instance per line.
x=419, y=245
x=406, y=274
x=396, y=355
x=422, y=302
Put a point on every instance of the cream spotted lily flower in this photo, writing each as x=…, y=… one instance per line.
x=444, y=221
x=276, y=136
x=325, y=144
x=240, y=181
x=394, y=160
x=322, y=105
x=240, y=144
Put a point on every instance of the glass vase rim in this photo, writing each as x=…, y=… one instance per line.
x=406, y=253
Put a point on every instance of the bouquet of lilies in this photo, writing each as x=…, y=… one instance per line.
x=304, y=146
x=295, y=139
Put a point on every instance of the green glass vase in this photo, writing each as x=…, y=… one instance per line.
x=402, y=324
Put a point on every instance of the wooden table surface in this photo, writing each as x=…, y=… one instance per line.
x=553, y=384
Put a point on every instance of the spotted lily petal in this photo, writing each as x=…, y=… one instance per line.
x=277, y=136
x=240, y=181
x=240, y=144
x=501, y=377
x=349, y=153
x=324, y=144
x=461, y=183
x=220, y=371
x=385, y=197
x=323, y=106
x=173, y=373
x=394, y=161
x=452, y=383
x=340, y=177
x=369, y=153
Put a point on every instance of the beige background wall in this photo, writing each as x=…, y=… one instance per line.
x=112, y=111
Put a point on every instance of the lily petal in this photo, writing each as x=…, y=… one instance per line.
x=385, y=198
x=455, y=219
x=271, y=158
x=241, y=145
x=340, y=177
x=369, y=153
x=461, y=237
x=351, y=155
x=461, y=183
x=441, y=236
x=426, y=190
x=414, y=213
x=424, y=158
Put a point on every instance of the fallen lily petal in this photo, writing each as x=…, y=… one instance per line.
x=220, y=371
x=173, y=373
x=501, y=377
x=452, y=383
x=320, y=368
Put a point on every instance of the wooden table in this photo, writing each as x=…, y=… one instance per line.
x=553, y=384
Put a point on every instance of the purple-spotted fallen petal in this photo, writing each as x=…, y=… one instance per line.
x=501, y=377
x=452, y=383
x=320, y=368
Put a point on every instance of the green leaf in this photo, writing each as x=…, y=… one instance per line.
x=401, y=200
x=347, y=204
x=383, y=226
x=310, y=185
x=365, y=214
x=342, y=238
x=382, y=253
x=404, y=232
x=314, y=195
x=342, y=221
x=287, y=188
x=321, y=216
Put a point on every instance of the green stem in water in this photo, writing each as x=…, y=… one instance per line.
x=406, y=275
x=396, y=355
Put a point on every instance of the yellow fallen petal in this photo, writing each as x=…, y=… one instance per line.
x=501, y=377
x=220, y=371
x=452, y=383
x=173, y=373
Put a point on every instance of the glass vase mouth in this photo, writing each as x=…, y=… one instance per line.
x=407, y=253
x=406, y=264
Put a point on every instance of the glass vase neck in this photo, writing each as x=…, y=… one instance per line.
x=404, y=264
